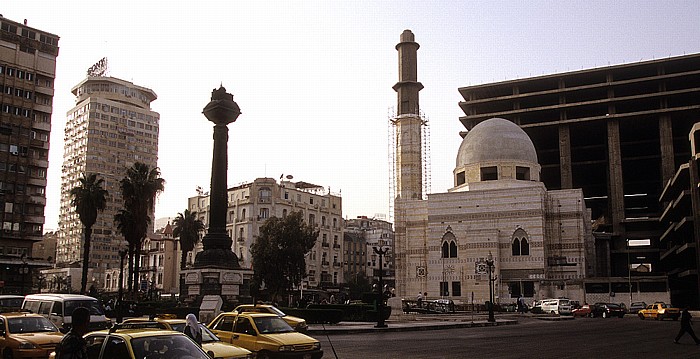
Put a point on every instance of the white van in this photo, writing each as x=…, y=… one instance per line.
x=59, y=307
x=561, y=306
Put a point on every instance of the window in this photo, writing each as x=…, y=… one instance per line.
x=460, y=178
x=311, y=200
x=264, y=212
x=449, y=246
x=456, y=289
x=520, y=245
x=284, y=213
x=444, y=289
x=522, y=173
x=489, y=173
x=335, y=223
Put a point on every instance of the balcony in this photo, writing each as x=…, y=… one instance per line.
x=336, y=246
x=336, y=265
x=264, y=200
x=325, y=263
x=324, y=244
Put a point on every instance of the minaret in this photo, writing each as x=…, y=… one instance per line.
x=409, y=164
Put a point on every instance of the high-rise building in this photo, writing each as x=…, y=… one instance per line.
x=111, y=126
x=27, y=72
x=251, y=204
x=618, y=133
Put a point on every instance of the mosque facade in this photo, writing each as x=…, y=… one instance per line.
x=540, y=241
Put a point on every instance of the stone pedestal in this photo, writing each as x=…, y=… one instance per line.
x=232, y=285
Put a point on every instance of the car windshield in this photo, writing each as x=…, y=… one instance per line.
x=93, y=305
x=207, y=335
x=665, y=306
x=613, y=306
x=639, y=304
x=167, y=346
x=269, y=325
x=563, y=302
x=30, y=325
x=274, y=310
x=11, y=302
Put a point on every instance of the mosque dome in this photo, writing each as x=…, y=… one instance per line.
x=496, y=139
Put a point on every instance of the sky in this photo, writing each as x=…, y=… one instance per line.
x=314, y=79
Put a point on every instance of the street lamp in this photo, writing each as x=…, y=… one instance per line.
x=380, y=306
x=24, y=270
x=490, y=265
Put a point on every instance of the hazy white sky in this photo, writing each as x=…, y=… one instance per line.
x=313, y=78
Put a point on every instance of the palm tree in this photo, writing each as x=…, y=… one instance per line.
x=125, y=224
x=139, y=189
x=88, y=198
x=187, y=227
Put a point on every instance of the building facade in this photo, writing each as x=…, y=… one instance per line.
x=616, y=132
x=250, y=204
x=361, y=235
x=27, y=73
x=540, y=241
x=111, y=126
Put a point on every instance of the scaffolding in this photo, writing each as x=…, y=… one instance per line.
x=425, y=156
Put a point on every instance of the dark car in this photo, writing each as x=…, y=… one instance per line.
x=607, y=310
x=636, y=307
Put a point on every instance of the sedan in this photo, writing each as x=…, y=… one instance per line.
x=607, y=310
x=584, y=311
x=637, y=306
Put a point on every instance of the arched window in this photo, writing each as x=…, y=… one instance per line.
x=264, y=194
x=449, y=245
x=445, y=250
x=520, y=244
x=284, y=213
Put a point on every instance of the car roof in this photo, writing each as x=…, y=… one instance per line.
x=59, y=296
x=15, y=314
x=137, y=332
x=253, y=314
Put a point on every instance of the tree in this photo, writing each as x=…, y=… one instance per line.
x=139, y=189
x=278, y=252
x=88, y=198
x=125, y=224
x=187, y=227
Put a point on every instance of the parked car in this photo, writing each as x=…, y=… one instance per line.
x=27, y=335
x=636, y=307
x=583, y=311
x=210, y=342
x=10, y=302
x=139, y=343
x=59, y=307
x=298, y=324
x=607, y=310
x=265, y=334
x=559, y=306
x=659, y=311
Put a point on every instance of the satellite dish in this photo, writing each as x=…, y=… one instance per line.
x=290, y=177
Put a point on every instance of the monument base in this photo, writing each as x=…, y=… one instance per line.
x=233, y=285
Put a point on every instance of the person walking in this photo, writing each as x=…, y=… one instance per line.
x=686, y=327
x=419, y=300
x=192, y=329
x=73, y=345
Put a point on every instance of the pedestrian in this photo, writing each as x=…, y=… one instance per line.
x=192, y=329
x=686, y=327
x=419, y=300
x=73, y=345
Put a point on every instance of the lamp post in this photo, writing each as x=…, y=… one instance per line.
x=380, y=306
x=490, y=265
x=24, y=270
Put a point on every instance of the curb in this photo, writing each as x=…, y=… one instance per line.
x=402, y=327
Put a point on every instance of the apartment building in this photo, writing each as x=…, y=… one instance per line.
x=27, y=72
x=111, y=126
x=361, y=235
x=250, y=204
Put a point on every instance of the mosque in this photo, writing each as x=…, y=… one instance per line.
x=540, y=242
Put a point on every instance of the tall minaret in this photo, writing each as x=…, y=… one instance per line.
x=409, y=164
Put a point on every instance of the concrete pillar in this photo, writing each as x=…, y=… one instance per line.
x=616, y=194
x=668, y=167
x=565, y=157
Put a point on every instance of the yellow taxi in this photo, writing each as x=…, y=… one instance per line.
x=297, y=323
x=265, y=334
x=27, y=335
x=140, y=342
x=659, y=311
x=210, y=342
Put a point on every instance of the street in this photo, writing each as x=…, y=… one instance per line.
x=628, y=337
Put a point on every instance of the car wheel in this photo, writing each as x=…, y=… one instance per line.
x=675, y=318
x=622, y=315
x=262, y=355
x=7, y=354
x=641, y=316
x=605, y=315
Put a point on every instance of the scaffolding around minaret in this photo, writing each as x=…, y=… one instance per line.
x=425, y=155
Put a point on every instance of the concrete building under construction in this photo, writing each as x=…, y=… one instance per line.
x=619, y=133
